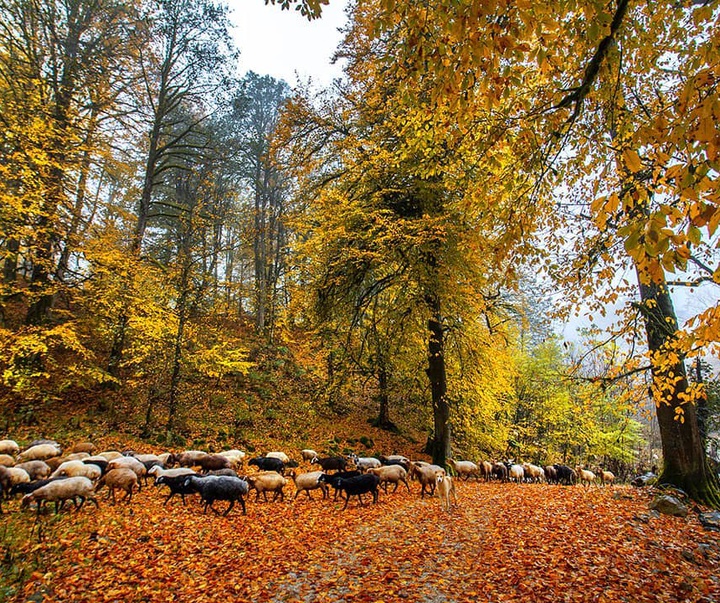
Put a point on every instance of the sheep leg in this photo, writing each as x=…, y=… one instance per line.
x=232, y=504
x=406, y=484
x=169, y=496
x=375, y=495
x=347, y=500
x=396, y=487
x=242, y=504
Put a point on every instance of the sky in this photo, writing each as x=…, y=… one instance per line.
x=284, y=44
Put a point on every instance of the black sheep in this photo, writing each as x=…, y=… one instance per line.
x=332, y=480
x=331, y=463
x=265, y=463
x=220, y=487
x=177, y=485
x=565, y=475
x=359, y=485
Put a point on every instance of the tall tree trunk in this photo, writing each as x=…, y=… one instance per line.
x=439, y=443
x=383, y=419
x=684, y=461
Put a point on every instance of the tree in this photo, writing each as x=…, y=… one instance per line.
x=183, y=57
x=556, y=72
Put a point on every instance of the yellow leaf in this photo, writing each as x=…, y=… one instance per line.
x=632, y=160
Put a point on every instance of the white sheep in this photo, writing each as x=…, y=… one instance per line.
x=61, y=490
x=278, y=455
x=41, y=452
x=77, y=469
x=36, y=469
x=9, y=447
x=465, y=469
x=308, y=454
x=158, y=471
x=308, y=481
x=236, y=457
x=110, y=455
x=6, y=460
x=363, y=463
x=17, y=476
x=517, y=473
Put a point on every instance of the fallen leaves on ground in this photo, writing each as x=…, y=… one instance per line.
x=503, y=543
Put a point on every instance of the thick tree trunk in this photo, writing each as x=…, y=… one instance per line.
x=685, y=464
x=439, y=443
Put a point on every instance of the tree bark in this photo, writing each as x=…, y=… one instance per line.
x=439, y=443
x=685, y=464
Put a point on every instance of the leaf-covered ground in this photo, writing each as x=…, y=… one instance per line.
x=502, y=543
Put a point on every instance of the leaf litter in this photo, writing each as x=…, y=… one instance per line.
x=502, y=543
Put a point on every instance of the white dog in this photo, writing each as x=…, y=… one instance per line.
x=445, y=489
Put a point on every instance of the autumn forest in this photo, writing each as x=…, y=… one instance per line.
x=494, y=238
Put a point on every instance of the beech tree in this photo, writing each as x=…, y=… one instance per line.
x=588, y=82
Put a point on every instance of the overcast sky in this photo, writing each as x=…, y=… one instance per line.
x=285, y=44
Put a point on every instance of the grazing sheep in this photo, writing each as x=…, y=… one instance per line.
x=500, y=471
x=130, y=462
x=110, y=455
x=585, y=476
x=17, y=476
x=219, y=488
x=6, y=460
x=268, y=464
x=121, y=478
x=332, y=479
x=40, y=452
x=308, y=454
x=533, y=473
x=27, y=487
x=9, y=447
x=5, y=481
x=77, y=469
x=357, y=486
x=391, y=474
x=43, y=442
x=88, y=447
x=425, y=473
x=565, y=475
x=36, y=469
x=227, y=471
x=98, y=461
x=331, y=463
x=61, y=490
x=176, y=483
x=363, y=463
x=308, y=481
x=445, y=489
x=465, y=469
x=263, y=483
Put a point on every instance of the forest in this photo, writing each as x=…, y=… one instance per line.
x=187, y=253
x=493, y=239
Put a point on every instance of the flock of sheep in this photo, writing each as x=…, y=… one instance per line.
x=42, y=472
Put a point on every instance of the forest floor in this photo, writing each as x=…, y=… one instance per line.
x=503, y=542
